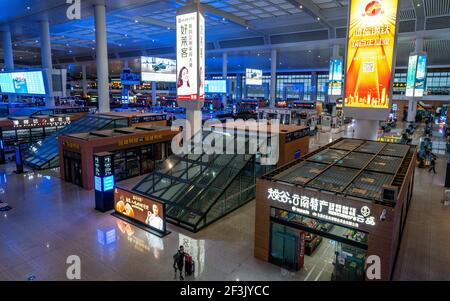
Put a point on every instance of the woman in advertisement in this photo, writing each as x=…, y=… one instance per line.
x=153, y=219
x=183, y=86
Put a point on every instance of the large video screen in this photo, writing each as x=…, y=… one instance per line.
x=335, y=77
x=420, y=75
x=158, y=69
x=26, y=82
x=216, y=86
x=140, y=208
x=253, y=77
x=370, y=53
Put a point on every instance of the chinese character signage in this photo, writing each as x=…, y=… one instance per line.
x=190, y=56
x=335, y=77
x=370, y=53
x=324, y=210
x=137, y=207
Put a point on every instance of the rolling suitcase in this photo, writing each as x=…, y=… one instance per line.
x=189, y=265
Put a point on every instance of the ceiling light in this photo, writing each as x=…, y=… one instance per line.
x=36, y=41
x=120, y=45
x=318, y=56
x=246, y=27
x=28, y=8
x=258, y=54
x=223, y=19
x=21, y=57
x=136, y=21
x=168, y=28
x=301, y=6
x=418, y=4
x=309, y=51
x=318, y=19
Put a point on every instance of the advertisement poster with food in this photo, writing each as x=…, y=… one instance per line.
x=139, y=208
x=370, y=52
x=190, y=56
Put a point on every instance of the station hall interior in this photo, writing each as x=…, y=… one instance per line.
x=274, y=140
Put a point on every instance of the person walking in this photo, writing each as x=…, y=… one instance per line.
x=432, y=164
x=178, y=261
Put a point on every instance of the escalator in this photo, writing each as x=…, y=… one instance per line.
x=199, y=189
x=44, y=154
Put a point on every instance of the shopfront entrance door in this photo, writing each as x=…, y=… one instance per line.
x=285, y=247
x=73, y=168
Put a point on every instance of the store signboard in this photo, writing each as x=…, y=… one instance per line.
x=41, y=122
x=411, y=76
x=421, y=72
x=190, y=56
x=324, y=210
x=370, y=56
x=335, y=77
x=155, y=69
x=23, y=83
x=141, y=209
x=253, y=77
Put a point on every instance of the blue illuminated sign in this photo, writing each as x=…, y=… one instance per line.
x=98, y=184
x=1, y=143
x=108, y=183
x=106, y=237
x=216, y=86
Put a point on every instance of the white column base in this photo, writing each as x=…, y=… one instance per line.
x=412, y=110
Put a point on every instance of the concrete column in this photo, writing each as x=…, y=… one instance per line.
x=153, y=93
x=84, y=80
x=238, y=87
x=224, y=75
x=412, y=110
x=46, y=54
x=101, y=47
x=366, y=129
x=273, y=78
x=8, y=56
x=194, y=117
x=125, y=64
x=419, y=45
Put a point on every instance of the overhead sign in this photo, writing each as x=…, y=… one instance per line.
x=325, y=210
x=253, y=77
x=335, y=77
x=190, y=56
x=158, y=69
x=370, y=53
x=139, y=208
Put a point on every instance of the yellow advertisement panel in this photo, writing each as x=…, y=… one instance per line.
x=370, y=52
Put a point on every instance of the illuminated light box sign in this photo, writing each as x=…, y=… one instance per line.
x=24, y=83
x=39, y=122
x=141, y=209
x=129, y=78
x=335, y=77
x=158, y=69
x=216, y=86
x=370, y=54
x=421, y=73
x=411, y=76
x=324, y=210
x=190, y=56
x=253, y=77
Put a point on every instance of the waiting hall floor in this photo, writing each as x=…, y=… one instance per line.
x=51, y=220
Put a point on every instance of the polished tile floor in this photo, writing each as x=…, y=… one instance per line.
x=52, y=220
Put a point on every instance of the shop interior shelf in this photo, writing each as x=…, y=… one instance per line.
x=369, y=185
x=301, y=173
x=385, y=164
x=396, y=150
x=328, y=156
x=334, y=179
x=355, y=160
x=348, y=144
x=371, y=147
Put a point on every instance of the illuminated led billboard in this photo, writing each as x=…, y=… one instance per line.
x=370, y=55
x=158, y=69
x=335, y=77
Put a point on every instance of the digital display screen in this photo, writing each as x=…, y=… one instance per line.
x=335, y=77
x=370, y=53
x=411, y=77
x=26, y=82
x=108, y=183
x=253, y=77
x=158, y=69
x=139, y=208
x=216, y=86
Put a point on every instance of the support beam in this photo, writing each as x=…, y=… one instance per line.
x=8, y=56
x=224, y=75
x=148, y=20
x=273, y=78
x=84, y=80
x=102, y=58
x=311, y=9
x=46, y=54
x=419, y=9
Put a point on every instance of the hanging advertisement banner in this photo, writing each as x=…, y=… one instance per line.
x=370, y=56
x=411, y=76
x=190, y=56
x=335, y=77
x=419, y=87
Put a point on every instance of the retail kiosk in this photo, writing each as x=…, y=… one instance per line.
x=136, y=151
x=355, y=193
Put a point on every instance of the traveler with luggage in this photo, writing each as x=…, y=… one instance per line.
x=189, y=265
x=178, y=261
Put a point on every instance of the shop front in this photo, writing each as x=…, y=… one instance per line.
x=340, y=204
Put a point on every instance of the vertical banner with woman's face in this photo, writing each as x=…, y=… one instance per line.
x=190, y=56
